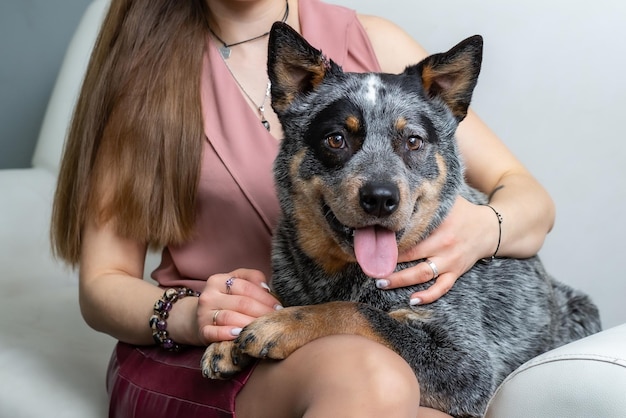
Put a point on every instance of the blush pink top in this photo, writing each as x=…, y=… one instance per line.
x=237, y=204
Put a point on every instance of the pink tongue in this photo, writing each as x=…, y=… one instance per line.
x=376, y=251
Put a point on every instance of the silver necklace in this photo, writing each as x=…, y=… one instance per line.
x=225, y=53
x=225, y=48
x=261, y=107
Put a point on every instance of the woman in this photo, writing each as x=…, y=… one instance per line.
x=171, y=147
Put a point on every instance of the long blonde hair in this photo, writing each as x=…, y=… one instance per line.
x=134, y=147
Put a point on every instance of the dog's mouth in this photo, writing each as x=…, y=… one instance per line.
x=375, y=247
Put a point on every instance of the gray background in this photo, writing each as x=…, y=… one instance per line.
x=33, y=38
x=552, y=87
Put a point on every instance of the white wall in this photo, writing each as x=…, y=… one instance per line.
x=553, y=87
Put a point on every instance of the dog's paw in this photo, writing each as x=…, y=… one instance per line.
x=276, y=335
x=223, y=360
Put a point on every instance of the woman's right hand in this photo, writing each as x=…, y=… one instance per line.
x=225, y=306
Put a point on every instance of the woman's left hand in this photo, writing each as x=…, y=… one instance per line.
x=466, y=235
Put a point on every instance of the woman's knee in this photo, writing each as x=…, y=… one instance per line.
x=377, y=370
x=341, y=373
x=358, y=374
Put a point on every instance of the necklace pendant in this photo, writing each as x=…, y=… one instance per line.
x=266, y=124
x=225, y=51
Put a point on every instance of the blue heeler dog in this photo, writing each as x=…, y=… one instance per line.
x=368, y=167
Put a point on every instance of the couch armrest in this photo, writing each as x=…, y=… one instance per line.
x=585, y=378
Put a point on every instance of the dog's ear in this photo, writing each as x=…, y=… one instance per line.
x=452, y=76
x=293, y=65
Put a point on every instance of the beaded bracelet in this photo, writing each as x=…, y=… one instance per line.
x=499, y=216
x=158, y=321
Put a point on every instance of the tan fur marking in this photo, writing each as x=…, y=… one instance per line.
x=294, y=74
x=353, y=124
x=430, y=195
x=344, y=200
x=318, y=71
x=318, y=244
x=291, y=328
x=338, y=318
x=450, y=80
x=409, y=315
x=428, y=77
x=314, y=236
x=401, y=124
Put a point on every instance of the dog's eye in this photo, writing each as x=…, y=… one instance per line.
x=336, y=141
x=414, y=143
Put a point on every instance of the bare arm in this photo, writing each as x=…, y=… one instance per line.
x=113, y=297
x=527, y=208
x=114, y=300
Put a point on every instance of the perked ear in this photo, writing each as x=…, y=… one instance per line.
x=452, y=76
x=294, y=66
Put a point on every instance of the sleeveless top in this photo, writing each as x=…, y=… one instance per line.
x=237, y=207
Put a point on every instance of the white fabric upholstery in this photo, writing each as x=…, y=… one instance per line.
x=580, y=380
x=52, y=364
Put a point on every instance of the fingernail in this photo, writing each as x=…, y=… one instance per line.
x=235, y=332
x=278, y=307
x=382, y=284
x=415, y=301
x=265, y=286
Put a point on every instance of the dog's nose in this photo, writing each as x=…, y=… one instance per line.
x=379, y=198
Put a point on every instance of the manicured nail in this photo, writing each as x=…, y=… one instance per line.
x=382, y=284
x=278, y=307
x=415, y=301
x=235, y=332
x=265, y=286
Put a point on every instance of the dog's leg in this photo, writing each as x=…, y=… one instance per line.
x=280, y=333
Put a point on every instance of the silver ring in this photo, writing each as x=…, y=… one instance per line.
x=433, y=267
x=229, y=284
x=217, y=312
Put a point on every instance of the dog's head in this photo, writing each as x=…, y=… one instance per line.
x=368, y=165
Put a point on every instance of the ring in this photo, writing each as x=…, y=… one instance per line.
x=229, y=284
x=217, y=312
x=433, y=267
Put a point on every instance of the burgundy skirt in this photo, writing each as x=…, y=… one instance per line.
x=146, y=381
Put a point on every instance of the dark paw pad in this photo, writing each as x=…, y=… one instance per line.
x=222, y=361
x=263, y=341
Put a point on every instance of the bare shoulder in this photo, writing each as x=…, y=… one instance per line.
x=394, y=47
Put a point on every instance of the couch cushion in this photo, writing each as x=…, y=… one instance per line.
x=52, y=363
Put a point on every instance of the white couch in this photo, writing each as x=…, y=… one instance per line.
x=52, y=364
